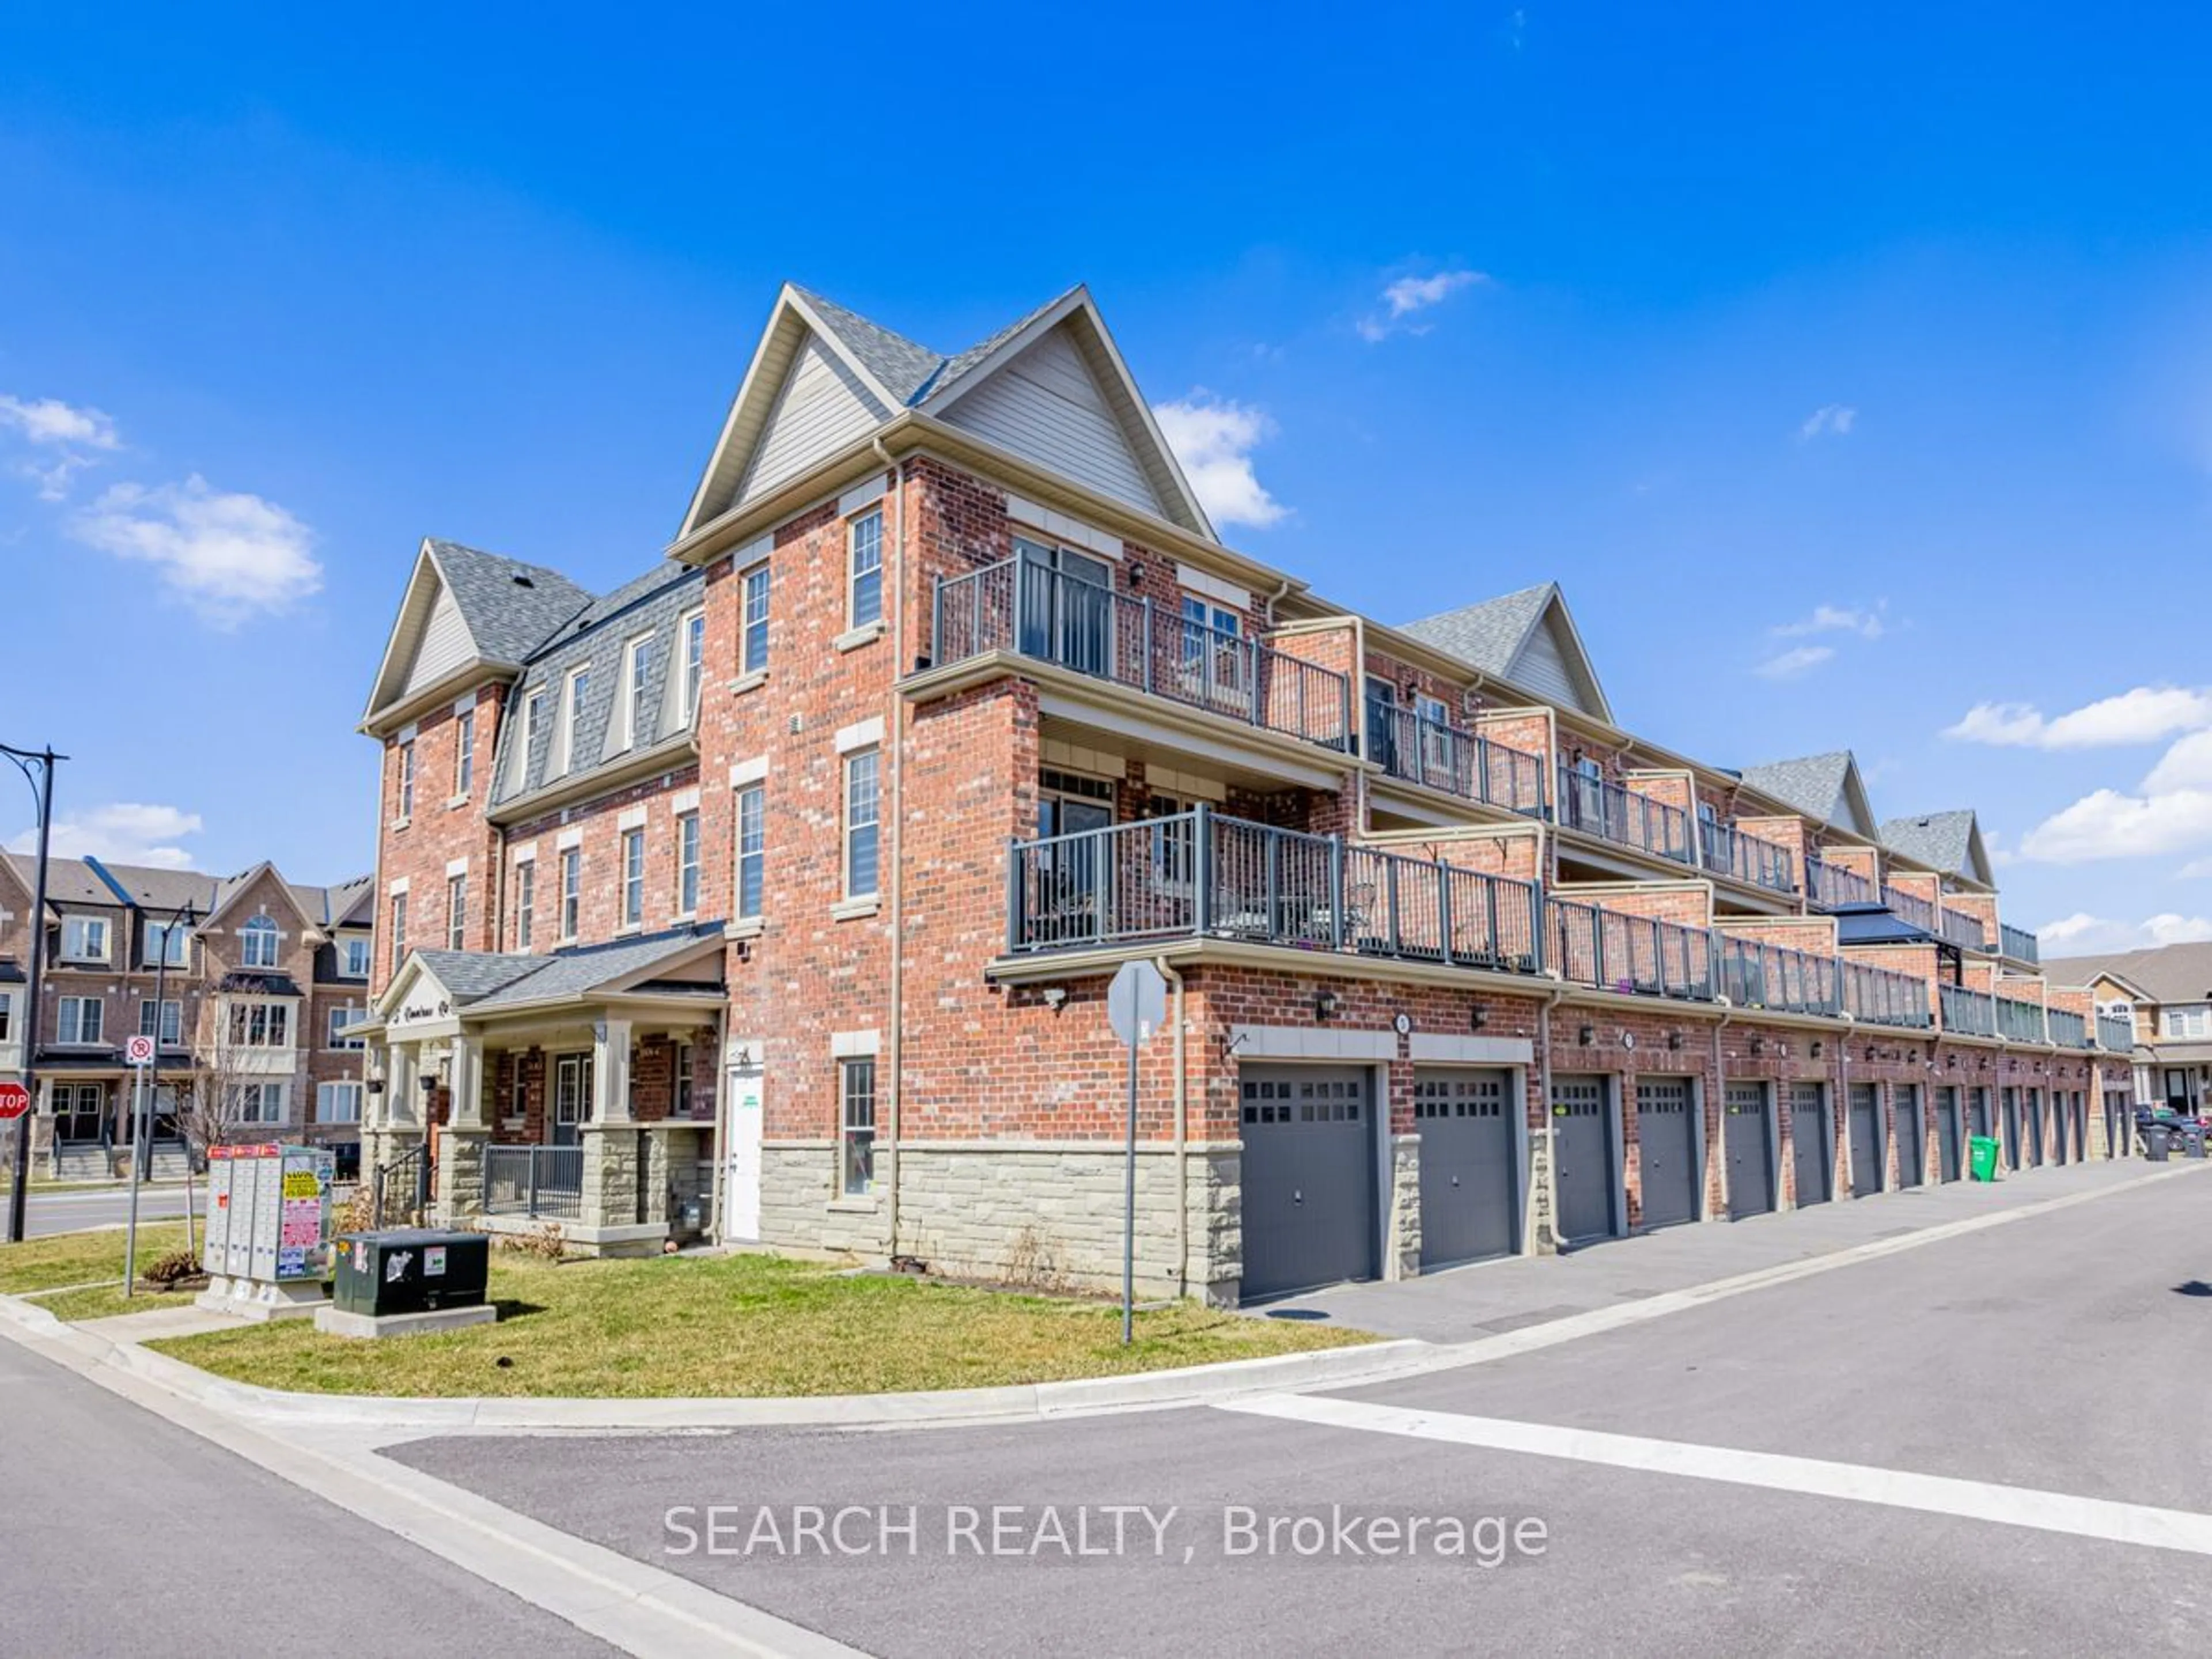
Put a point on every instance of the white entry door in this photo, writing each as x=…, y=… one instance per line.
x=741, y=1176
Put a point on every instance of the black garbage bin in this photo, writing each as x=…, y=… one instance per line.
x=2154, y=1142
x=2192, y=1139
x=411, y=1270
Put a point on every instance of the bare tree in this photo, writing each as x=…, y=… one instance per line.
x=220, y=1104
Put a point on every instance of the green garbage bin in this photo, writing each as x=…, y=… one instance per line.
x=1982, y=1157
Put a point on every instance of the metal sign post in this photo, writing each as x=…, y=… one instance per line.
x=1136, y=1006
x=139, y=1052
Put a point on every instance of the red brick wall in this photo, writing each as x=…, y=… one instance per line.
x=440, y=829
x=1688, y=904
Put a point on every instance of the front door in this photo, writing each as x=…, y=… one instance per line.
x=1749, y=1144
x=1866, y=1140
x=1811, y=1143
x=572, y=1100
x=78, y=1109
x=1667, y=1146
x=741, y=1174
x=1382, y=724
x=1582, y=1154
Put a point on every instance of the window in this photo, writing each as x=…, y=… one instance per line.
x=257, y=944
x=340, y=1017
x=260, y=1025
x=867, y=552
x=752, y=844
x=639, y=653
x=687, y=864
x=163, y=1021
x=692, y=631
x=525, y=902
x=7, y=1014
x=399, y=930
x=533, y=722
x=571, y=714
x=861, y=806
x=457, y=913
x=633, y=851
x=572, y=891
x=857, y=1126
x=684, y=1089
x=168, y=944
x=406, y=780
x=337, y=1102
x=1212, y=650
x=83, y=1019
x=753, y=656
x=354, y=954
x=465, y=752
x=256, y=1102
x=84, y=938
x=2186, y=1021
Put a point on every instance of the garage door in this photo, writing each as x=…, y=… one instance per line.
x=1469, y=1170
x=1947, y=1144
x=1977, y=1113
x=1666, y=1150
x=2010, y=1101
x=1811, y=1144
x=1309, y=1178
x=1912, y=1155
x=1749, y=1150
x=1581, y=1149
x=2031, y=1115
x=1866, y=1140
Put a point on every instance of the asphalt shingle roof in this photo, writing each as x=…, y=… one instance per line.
x=471, y=974
x=1489, y=635
x=574, y=972
x=2168, y=973
x=511, y=607
x=1812, y=784
x=912, y=373
x=1941, y=841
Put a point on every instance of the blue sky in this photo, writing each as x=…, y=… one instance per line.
x=1852, y=371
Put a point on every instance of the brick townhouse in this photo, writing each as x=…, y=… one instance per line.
x=257, y=977
x=776, y=894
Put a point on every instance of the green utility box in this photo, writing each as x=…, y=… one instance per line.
x=1982, y=1157
x=405, y=1270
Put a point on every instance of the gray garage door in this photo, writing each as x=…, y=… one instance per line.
x=1866, y=1140
x=2116, y=1124
x=1811, y=1143
x=1666, y=1150
x=1469, y=1178
x=1309, y=1178
x=1947, y=1144
x=1582, y=1152
x=2031, y=1115
x=1912, y=1155
x=1749, y=1149
x=2010, y=1101
x=1977, y=1113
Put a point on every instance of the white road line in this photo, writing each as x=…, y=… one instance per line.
x=1932, y=1494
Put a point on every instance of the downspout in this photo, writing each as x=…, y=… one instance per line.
x=1719, y=1110
x=718, y=1178
x=1168, y=971
x=897, y=746
x=1272, y=597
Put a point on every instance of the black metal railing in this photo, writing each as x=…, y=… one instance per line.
x=2068, y=1030
x=1967, y=1013
x=1024, y=607
x=1882, y=996
x=1753, y=974
x=2020, y=1022
x=401, y=1187
x=2115, y=1034
x=1958, y=928
x=1640, y=956
x=1728, y=852
x=2017, y=943
x=1905, y=908
x=1599, y=806
x=1439, y=756
x=1831, y=886
x=534, y=1181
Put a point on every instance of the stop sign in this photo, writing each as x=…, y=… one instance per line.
x=15, y=1101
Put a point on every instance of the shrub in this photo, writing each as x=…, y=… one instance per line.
x=171, y=1269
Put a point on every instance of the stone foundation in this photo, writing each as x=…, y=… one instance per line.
x=1402, y=1258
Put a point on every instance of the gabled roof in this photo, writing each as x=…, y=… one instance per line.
x=2165, y=973
x=501, y=610
x=484, y=981
x=231, y=889
x=1947, y=842
x=1528, y=637
x=885, y=374
x=69, y=881
x=1824, y=787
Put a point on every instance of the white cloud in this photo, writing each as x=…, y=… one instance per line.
x=1800, y=660
x=62, y=438
x=1408, y=296
x=2083, y=934
x=2108, y=825
x=2196, y=869
x=2143, y=715
x=227, y=555
x=128, y=832
x=1213, y=439
x=1836, y=619
x=1828, y=420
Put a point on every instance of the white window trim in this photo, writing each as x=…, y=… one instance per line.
x=861, y=734
x=567, y=713
x=633, y=694
x=691, y=675
x=856, y=902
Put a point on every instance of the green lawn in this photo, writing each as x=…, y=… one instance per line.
x=68, y=1261
x=741, y=1325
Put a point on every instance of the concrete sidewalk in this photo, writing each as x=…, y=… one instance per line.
x=1465, y=1304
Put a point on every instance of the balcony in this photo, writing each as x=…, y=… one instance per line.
x=1029, y=611
x=1967, y=1013
x=1202, y=875
x=1831, y=886
x=1779, y=979
x=1728, y=852
x=1598, y=806
x=2017, y=943
x=1905, y=908
x=1437, y=756
x=2115, y=1036
x=2020, y=1022
x=1636, y=955
x=1966, y=931
x=1881, y=996
x=2067, y=1029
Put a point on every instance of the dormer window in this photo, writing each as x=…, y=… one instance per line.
x=638, y=656
x=84, y=938
x=692, y=632
x=571, y=714
x=257, y=944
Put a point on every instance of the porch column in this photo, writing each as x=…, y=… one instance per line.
x=611, y=1072
x=467, y=1074
x=400, y=1104
x=460, y=1167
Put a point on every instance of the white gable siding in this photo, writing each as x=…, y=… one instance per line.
x=1542, y=667
x=1045, y=406
x=445, y=645
x=822, y=408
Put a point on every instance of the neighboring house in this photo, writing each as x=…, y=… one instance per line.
x=256, y=988
x=2164, y=995
x=777, y=892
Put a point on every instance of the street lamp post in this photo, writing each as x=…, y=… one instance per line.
x=42, y=790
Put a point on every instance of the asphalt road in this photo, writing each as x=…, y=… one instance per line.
x=2018, y=1358
x=46, y=1213
x=122, y=1534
